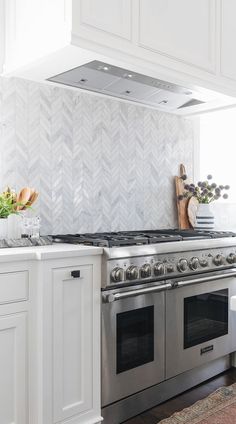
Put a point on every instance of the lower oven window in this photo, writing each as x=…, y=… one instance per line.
x=205, y=317
x=135, y=338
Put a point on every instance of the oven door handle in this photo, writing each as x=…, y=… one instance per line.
x=112, y=297
x=205, y=279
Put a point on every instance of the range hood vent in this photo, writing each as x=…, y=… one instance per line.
x=117, y=82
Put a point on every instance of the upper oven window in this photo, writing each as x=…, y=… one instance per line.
x=135, y=338
x=205, y=317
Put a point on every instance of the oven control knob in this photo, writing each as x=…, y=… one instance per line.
x=182, y=265
x=117, y=274
x=231, y=258
x=132, y=272
x=204, y=263
x=169, y=268
x=158, y=269
x=194, y=263
x=218, y=260
x=145, y=271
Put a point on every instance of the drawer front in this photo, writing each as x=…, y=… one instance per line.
x=14, y=287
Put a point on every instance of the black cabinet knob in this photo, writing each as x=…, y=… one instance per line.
x=75, y=274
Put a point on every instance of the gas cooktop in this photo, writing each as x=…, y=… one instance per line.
x=135, y=238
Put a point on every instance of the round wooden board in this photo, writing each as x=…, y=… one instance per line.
x=192, y=210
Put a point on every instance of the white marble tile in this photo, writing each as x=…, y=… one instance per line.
x=98, y=164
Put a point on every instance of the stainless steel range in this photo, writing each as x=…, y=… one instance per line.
x=166, y=318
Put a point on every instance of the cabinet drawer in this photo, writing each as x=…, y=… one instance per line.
x=14, y=286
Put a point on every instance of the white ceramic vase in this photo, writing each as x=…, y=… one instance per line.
x=3, y=228
x=204, y=218
x=14, y=226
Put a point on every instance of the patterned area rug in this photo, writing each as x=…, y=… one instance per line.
x=218, y=408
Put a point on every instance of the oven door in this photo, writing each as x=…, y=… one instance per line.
x=133, y=327
x=199, y=324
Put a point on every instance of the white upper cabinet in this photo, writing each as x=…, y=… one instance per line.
x=186, y=40
x=2, y=35
x=183, y=30
x=105, y=22
x=114, y=17
x=189, y=42
x=228, y=37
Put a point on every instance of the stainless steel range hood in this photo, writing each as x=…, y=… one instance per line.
x=114, y=81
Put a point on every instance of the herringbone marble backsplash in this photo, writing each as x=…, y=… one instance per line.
x=98, y=164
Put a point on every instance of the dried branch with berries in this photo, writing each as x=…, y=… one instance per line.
x=204, y=191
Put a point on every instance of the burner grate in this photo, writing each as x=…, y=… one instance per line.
x=199, y=234
x=136, y=238
x=116, y=239
x=102, y=239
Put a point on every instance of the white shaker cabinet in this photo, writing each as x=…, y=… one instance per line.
x=2, y=36
x=13, y=371
x=113, y=17
x=182, y=30
x=228, y=37
x=50, y=335
x=14, y=342
x=73, y=307
x=166, y=32
x=108, y=22
x=184, y=41
x=71, y=334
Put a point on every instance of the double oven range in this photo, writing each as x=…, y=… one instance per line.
x=166, y=318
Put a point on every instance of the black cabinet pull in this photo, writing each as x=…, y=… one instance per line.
x=75, y=274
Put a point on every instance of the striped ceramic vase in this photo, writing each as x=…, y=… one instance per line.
x=204, y=218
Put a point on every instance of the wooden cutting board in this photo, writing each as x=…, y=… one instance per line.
x=192, y=210
x=182, y=206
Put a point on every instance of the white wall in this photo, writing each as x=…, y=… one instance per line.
x=217, y=152
x=31, y=29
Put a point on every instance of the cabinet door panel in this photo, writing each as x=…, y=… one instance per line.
x=228, y=35
x=73, y=338
x=183, y=30
x=14, y=286
x=112, y=16
x=13, y=369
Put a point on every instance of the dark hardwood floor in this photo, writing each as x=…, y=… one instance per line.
x=166, y=409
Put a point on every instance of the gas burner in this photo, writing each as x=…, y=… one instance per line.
x=154, y=236
x=102, y=239
x=117, y=239
x=199, y=234
x=137, y=238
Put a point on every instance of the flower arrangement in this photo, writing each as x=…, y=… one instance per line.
x=8, y=203
x=205, y=191
x=11, y=206
x=13, y=203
